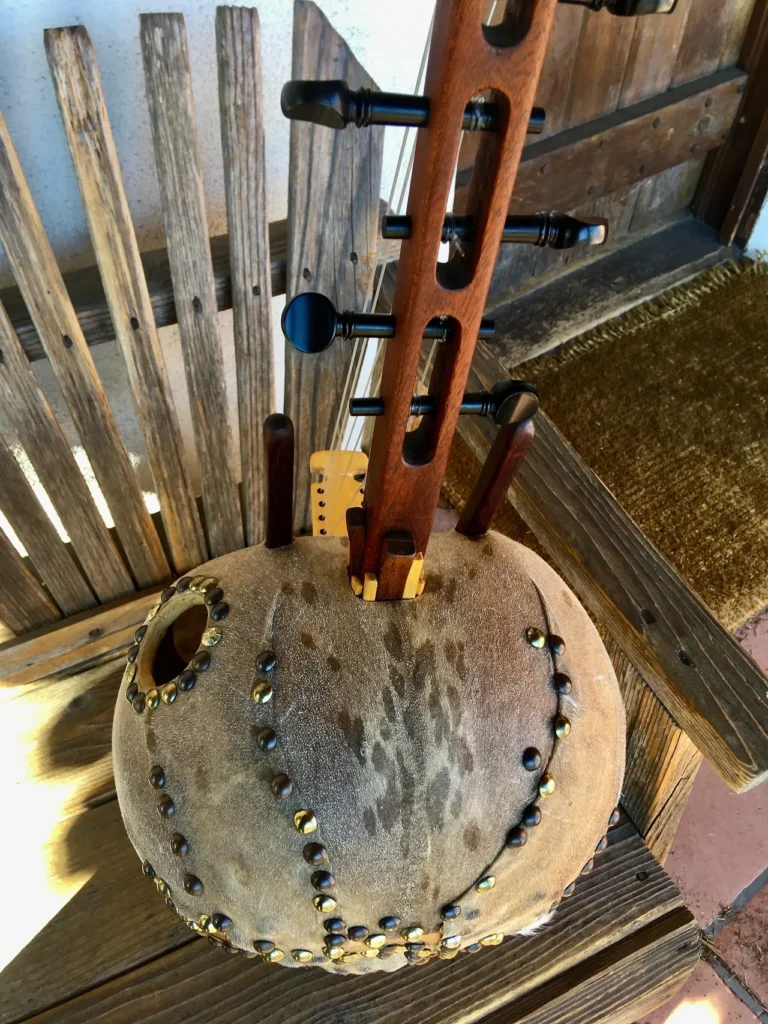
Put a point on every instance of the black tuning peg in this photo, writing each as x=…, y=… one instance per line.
x=550, y=230
x=509, y=402
x=311, y=322
x=627, y=8
x=335, y=105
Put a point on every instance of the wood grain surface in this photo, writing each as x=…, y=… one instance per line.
x=75, y=74
x=707, y=682
x=626, y=891
x=27, y=410
x=174, y=135
x=41, y=284
x=333, y=227
x=238, y=46
x=37, y=533
x=23, y=602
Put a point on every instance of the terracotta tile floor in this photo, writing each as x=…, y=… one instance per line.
x=719, y=860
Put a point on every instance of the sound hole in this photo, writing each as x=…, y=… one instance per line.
x=178, y=644
x=507, y=25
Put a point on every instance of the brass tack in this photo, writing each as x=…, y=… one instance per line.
x=304, y=821
x=376, y=941
x=473, y=947
x=332, y=952
x=315, y=854
x=546, y=785
x=203, y=921
x=195, y=584
x=562, y=727
x=211, y=636
x=447, y=954
x=162, y=887
x=415, y=947
x=153, y=698
x=588, y=866
x=213, y=596
x=413, y=933
x=208, y=584
x=411, y=956
x=170, y=904
x=169, y=693
x=221, y=922
x=152, y=612
x=369, y=954
x=302, y=956
x=274, y=956
x=324, y=904
x=535, y=637
x=262, y=692
x=220, y=611
x=486, y=884
x=266, y=739
x=492, y=940
x=130, y=673
x=333, y=939
x=201, y=661
x=348, y=956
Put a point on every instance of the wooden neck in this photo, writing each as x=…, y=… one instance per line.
x=406, y=470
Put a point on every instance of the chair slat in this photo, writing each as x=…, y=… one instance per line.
x=40, y=282
x=38, y=535
x=24, y=604
x=47, y=449
x=81, y=102
x=174, y=134
x=333, y=225
x=238, y=45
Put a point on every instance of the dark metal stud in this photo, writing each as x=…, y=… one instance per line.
x=411, y=956
x=170, y=904
x=315, y=854
x=221, y=922
x=263, y=946
x=213, y=596
x=133, y=653
x=562, y=683
x=183, y=584
x=179, y=844
x=473, y=947
x=323, y=881
x=140, y=633
x=535, y=637
x=266, y=661
x=390, y=923
x=138, y=702
x=335, y=925
x=588, y=866
x=282, y=787
x=220, y=611
x=267, y=739
x=333, y=940
x=614, y=818
x=416, y=947
x=201, y=661
x=193, y=885
x=531, y=816
x=518, y=836
x=130, y=692
x=186, y=680
x=601, y=845
x=556, y=644
x=148, y=870
x=562, y=727
x=450, y=912
x=531, y=759
x=167, y=594
x=569, y=890
x=157, y=777
x=386, y=951
x=358, y=932
x=166, y=806
x=451, y=942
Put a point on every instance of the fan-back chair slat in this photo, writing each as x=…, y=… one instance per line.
x=238, y=47
x=81, y=102
x=39, y=279
x=24, y=605
x=174, y=134
x=333, y=225
x=39, y=434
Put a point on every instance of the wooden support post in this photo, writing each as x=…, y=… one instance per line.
x=499, y=470
x=279, y=459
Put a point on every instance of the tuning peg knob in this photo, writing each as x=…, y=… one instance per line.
x=311, y=322
x=554, y=230
x=335, y=105
x=627, y=8
x=509, y=402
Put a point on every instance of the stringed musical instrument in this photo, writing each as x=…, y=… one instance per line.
x=389, y=746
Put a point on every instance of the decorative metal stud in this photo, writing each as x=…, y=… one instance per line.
x=349, y=956
x=170, y=904
x=335, y=925
x=601, y=845
x=411, y=956
x=220, y=611
x=315, y=854
x=450, y=912
x=267, y=739
x=588, y=866
x=324, y=904
x=301, y=956
x=415, y=947
x=263, y=946
x=140, y=633
x=569, y=890
x=211, y=636
x=221, y=922
x=186, y=680
x=133, y=653
x=169, y=693
x=614, y=818
x=376, y=941
x=531, y=816
x=486, y=884
x=304, y=821
x=138, y=702
x=562, y=683
x=183, y=584
x=148, y=870
x=535, y=637
x=531, y=759
x=333, y=939
x=162, y=887
x=201, y=661
x=369, y=954
x=557, y=644
x=152, y=612
x=413, y=933
x=194, y=887
x=167, y=594
x=518, y=836
x=130, y=692
x=262, y=692
x=546, y=785
x=473, y=947
x=281, y=786
x=274, y=956
x=562, y=727
x=323, y=881
x=213, y=596
x=207, y=584
x=447, y=954
x=390, y=923
x=389, y=949
x=492, y=940
x=166, y=807
x=152, y=698
x=179, y=844
x=157, y=777
x=358, y=932
x=129, y=674
x=195, y=584
x=451, y=942
x=332, y=952
x=203, y=922
x=266, y=661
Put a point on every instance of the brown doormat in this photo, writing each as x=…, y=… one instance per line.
x=668, y=404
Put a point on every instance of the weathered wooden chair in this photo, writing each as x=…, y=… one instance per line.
x=88, y=942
